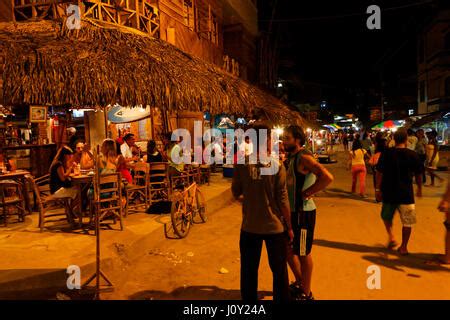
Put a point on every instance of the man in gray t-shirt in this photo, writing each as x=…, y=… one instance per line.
x=266, y=218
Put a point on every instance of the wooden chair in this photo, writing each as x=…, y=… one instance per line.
x=11, y=197
x=137, y=192
x=196, y=173
x=177, y=179
x=191, y=173
x=205, y=174
x=159, y=183
x=47, y=205
x=107, y=201
x=43, y=184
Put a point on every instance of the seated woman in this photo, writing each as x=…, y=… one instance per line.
x=108, y=157
x=153, y=154
x=60, y=170
x=109, y=162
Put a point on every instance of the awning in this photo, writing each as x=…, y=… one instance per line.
x=46, y=64
x=332, y=127
x=431, y=117
x=389, y=124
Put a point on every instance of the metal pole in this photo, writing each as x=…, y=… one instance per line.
x=382, y=96
x=97, y=232
x=105, y=111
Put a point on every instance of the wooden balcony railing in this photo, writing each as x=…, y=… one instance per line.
x=142, y=15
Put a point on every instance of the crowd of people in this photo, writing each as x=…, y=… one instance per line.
x=118, y=155
x=397, y=160
x=279, y=210
x=365, y=150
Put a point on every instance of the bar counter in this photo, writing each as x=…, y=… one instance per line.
x=35, y=158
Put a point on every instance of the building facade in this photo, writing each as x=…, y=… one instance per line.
x=434, y=65
x=223, y=32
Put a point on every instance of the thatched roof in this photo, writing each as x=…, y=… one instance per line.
x=44, y=63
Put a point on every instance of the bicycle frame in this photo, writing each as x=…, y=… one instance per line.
x=189, y=199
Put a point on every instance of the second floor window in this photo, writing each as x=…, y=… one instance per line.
x=213, y=29
x=422, y=91
x=447, y=87
x=189, y=13
x=207, y=23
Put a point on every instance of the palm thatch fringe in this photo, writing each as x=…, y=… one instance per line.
x=47, y=64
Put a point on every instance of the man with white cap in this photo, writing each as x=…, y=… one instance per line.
x=72, y=135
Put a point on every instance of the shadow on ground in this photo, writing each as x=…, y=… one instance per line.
x=340, y=193
x=194, y=293
x=382, y=257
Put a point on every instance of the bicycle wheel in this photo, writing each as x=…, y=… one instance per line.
x=200, y=205
x=181, y=220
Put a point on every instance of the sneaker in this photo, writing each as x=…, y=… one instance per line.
x=296, y=290
x=309, y=297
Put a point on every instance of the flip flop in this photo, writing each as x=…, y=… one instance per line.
x=402, y=253
x=392, y=244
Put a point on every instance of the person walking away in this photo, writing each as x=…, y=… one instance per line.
x=266, y=218
x=390, y=140
x=421, y=150
x=305, y=177
x=345, y=141
x=432, y=157
x=357, y=163
x=444, y=206
x=351, y=138
x=395, y=170
x=373, y=161
x=366, y=143
x=412, y=140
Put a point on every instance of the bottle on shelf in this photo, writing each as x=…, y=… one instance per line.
x=7, y=163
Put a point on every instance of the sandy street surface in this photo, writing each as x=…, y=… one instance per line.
x=350, y=237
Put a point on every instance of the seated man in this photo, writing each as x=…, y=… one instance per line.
x=127, y=148
x=83, y=156
x=175, y=167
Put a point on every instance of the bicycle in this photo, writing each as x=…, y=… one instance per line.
x=187, y=204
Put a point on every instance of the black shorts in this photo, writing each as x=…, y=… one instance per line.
x=303, y=225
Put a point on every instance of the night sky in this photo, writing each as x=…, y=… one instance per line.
x=327, y=43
